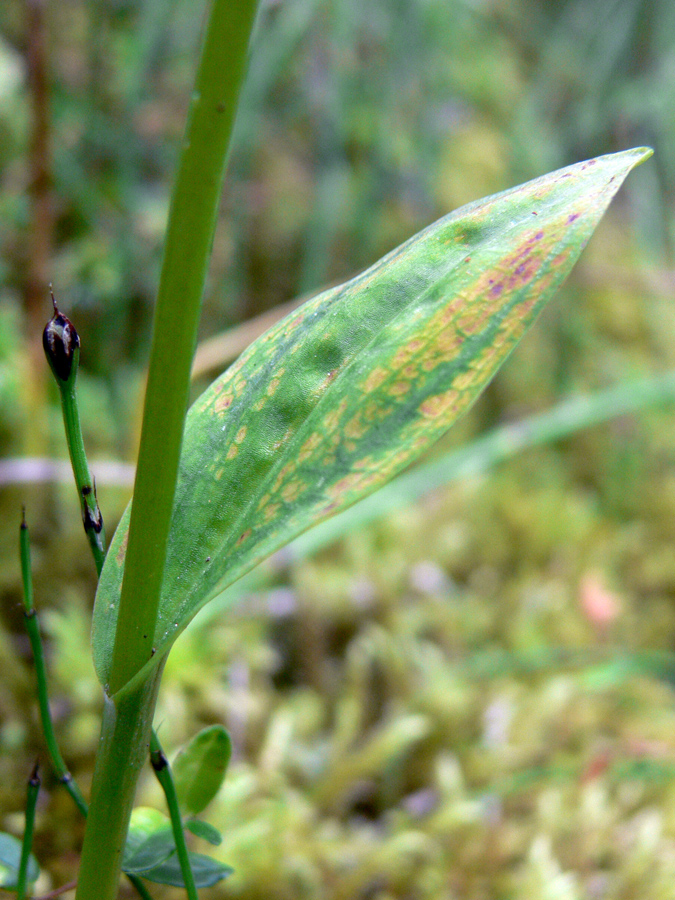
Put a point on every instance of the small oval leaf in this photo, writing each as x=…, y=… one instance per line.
x=145, y=821
x=150, y=852
x=199, y=768
x=10, y=860
x=205, y=871
x=205, y=831
x=345, y=392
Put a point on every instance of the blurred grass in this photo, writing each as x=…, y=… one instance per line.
x=471, y=697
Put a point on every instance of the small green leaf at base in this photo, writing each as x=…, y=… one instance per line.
x=199, y=768
x=146, y=823
x=149, y=853
x=205, y=831
x=206, y=871
x=349, y=389
x=10, y=859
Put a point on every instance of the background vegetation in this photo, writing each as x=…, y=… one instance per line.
x=472, y=697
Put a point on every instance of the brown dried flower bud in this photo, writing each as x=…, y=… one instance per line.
x=62, y=343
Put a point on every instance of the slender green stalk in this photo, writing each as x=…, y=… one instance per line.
x=139, y=887
x=161, y=766
x=62, y=348
x=27, y=844
x=33, y=629
x=192, y=220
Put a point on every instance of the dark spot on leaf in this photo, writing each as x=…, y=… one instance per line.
x=469, y=234
x=330, y=354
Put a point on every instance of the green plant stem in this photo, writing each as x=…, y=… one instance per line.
x=161, y=766
x=91, y=513
x=27, y=844
x=33, y=629
x=85, y=485
x=123, y=749
x=192, y=221
x=62, y=347
x=140, y=888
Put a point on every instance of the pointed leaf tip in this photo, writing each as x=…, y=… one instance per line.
x=642, y=154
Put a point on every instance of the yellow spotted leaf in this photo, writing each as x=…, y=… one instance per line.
x=345, y=392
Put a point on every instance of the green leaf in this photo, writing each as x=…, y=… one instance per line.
x=149, y=853
x=205, y=870
x=10, y=859
x=344, y=393
x=145, y=821
x=199, y=769
x=205, y=831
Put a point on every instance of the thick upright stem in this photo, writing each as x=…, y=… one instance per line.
x=192, y=220
x=123, y=749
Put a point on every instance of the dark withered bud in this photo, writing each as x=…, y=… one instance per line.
x=34, y=779
x=157, y=760
x=62, y=343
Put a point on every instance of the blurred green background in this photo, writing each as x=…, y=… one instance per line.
x=470, y=697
